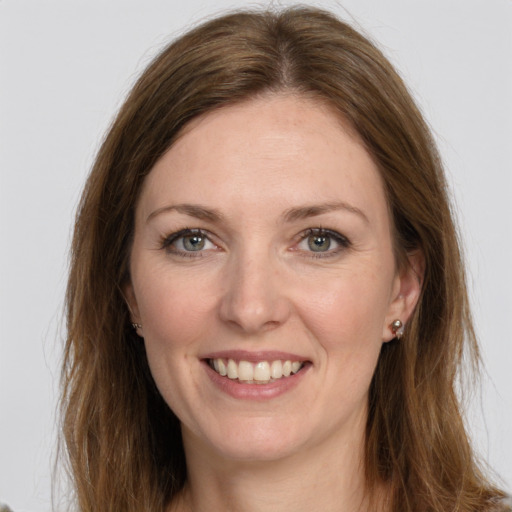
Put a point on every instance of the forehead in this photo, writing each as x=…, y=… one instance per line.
x=279, y=149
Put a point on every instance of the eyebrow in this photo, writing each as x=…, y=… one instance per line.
x=193, y=210
x=304, y=212
x=291, y=215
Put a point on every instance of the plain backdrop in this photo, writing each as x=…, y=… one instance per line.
x=65, y=66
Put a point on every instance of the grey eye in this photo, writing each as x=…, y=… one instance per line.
x=193, y=242
x=319, y=243
x=323, y=242
x=188, y=241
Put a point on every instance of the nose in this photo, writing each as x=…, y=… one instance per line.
x=254, y=299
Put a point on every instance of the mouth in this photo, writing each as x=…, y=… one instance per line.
x=258, y=372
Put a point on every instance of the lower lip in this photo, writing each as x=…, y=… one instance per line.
x=239, y=390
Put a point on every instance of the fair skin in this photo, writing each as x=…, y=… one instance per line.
x=263, y=236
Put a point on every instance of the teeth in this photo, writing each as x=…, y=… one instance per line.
x=276, y=369
x=222, y=367
x=232, y=369
x=261, y=372
x=245, y=370
x=296, y=366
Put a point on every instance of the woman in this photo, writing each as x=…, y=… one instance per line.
x=266, y=304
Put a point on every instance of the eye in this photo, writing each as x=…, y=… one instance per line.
x=322, y=241
x=188, y=241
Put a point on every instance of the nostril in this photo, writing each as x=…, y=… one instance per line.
x=260, y=312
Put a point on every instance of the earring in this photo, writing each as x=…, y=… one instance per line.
x=137, y=326
x=398, y=329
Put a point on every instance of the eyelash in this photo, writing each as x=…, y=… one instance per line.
x=342, y=241
x=168, y=241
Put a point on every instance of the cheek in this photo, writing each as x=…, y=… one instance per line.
x=347, y=310
x=344, y=319
x=173, y=305
x=176, y=317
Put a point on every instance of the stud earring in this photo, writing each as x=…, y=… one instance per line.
x=398, y=329
x=137, y=326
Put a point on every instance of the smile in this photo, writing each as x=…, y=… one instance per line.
x=261, y=372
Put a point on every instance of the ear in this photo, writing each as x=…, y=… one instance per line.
x=406, y=292
x=131, y=302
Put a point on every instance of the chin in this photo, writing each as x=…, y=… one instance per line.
x=260, y=450
x=253, y=441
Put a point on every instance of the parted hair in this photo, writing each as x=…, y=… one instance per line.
x=123, y=443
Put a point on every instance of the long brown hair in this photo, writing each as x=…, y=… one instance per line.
x=124, y=443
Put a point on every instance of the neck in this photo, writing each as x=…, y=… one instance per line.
x=321, y=478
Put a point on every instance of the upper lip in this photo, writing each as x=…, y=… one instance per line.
x=254, y=357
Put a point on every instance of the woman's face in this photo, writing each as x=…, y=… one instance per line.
x=262, y=247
